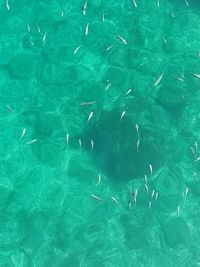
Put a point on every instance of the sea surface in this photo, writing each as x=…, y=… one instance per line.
x=99, y=133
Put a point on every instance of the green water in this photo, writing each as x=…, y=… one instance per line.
x=59, y=155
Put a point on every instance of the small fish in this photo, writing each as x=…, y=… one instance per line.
x=108, y=86
x=80, y=143
x=67, y=138
x=196, y=145
x=158, y=3
x=122, y=115
x=121, y=39
x=146, y=187
x=88, y=103
x=76, y=49
x=103, y=18
x=137, y=146
x=193, y=153
x=134, y=3
x=186, y=191
x=145, y=178
x=152, y=195
x=44, y=37
x=30, y=39
x=187, y=4
x=38, y=28
x=135, y=196
x=99, y=180
x=33, y=141
x=158, y=80
x=109, y=48
x=128, y=92
x=28, y=27
x=151, y=169
x=149, y=204
x=7, y=5
x=84, y=7
x=165, y=40
x=96, y=197
x=172, y=14
x=129, y=204
x=87, y=28
x=90, y=116
x=23, y=133
x=181, y=74
x=62, y=13
x=197, y=159
x=92, y=144
x=196, y=75
x=9, y=108
x=115, y=201
x=137, y=130
x=178, y=210
x=156, y=195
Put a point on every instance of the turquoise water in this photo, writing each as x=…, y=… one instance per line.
x=99, y=133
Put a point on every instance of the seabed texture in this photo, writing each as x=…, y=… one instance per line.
x=99, y=133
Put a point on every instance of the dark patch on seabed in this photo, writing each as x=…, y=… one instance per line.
x=115, y=150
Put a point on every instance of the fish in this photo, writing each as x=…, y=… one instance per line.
x=7, y=5
x=152, y=195
x=137, y=146
x=80, y=143
x=129, y=203
x=23, y=133
x=115, y=201
x=121, y=39
x=196, y=145
x=84, y=8
x=197, y=159
x=90, y=116
x=186, y=191
x=103, y=18
x=87, y=29
x=156, y=195
x=128, y=92
x=172, y=14
x=178, y=210
x=146, y=187
x=44, y=37
x=30, y=39
x=108, y=86
x=99, y=180
x=76, y=49
x=134, y=3
x=88, y=103
x=165, y=40
x=62, y=13
x=122, y=115
x=92, y=144
x=38, y=28
x=28, y=27
x=109, y=48
x=145, y=178
x=151, y=169
x=158, y=80
x=149, y=204
x=33, y=141
x=137, y=130
x=193, y=153
x=186, y=2
x=158, y=3
x=96, y=197
x=67, y=138
x=9, y=108
x=196, y=75
x=135, y=196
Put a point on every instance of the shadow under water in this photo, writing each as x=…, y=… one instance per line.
x=115, y=147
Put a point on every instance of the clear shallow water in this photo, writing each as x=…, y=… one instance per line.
x=48, y=216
